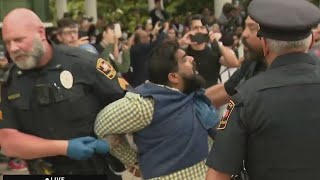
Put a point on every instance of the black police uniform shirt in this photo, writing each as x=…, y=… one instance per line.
x=61, y=100
x=272, y=123
x=256, y=67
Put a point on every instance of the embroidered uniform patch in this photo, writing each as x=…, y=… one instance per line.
x=106, y=69
x=226, y=115
x=123, y=83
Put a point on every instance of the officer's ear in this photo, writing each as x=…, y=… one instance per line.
x=265, y=47
x=42, y=33
x=313, y=35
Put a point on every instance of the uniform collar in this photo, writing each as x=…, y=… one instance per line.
x=292, y=58
x=54, y=63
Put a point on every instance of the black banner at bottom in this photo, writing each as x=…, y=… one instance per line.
x=58, y=177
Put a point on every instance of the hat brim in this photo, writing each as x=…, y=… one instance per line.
x=283, y=35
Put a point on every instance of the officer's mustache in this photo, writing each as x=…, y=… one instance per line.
x=18, y=54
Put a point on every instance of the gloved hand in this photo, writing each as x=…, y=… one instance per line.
x=236, y=77
x=99, y=146
x=79, y=148
x=102, y=147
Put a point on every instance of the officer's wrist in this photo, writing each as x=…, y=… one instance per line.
x=61, y=147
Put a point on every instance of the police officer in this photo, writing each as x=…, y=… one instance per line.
x=52, y=95
x=272, y=123
x=253, y=65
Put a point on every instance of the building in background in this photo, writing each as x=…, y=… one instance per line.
x=41, y=8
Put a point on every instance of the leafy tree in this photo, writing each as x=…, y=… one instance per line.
x=133, y=12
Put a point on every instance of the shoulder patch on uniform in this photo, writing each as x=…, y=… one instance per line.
x=105, y=68
x=123, y=83
x=226, y=115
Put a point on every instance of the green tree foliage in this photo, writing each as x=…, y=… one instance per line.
x=129, y=12
x=316, y=2
x=133, y=12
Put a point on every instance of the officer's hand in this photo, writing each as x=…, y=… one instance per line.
x=78, y=148
x=99, y=146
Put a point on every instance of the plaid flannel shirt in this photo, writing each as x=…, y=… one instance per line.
x=131, y=114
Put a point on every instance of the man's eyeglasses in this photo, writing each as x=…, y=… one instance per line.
x=69, y=32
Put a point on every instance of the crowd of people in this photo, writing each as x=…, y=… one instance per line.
x=94, y=99
x=129, y=52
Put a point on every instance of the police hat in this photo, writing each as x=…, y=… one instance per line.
x=285, y=20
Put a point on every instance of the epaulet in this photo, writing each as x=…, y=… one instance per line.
x=77, y=53
x=249, y=87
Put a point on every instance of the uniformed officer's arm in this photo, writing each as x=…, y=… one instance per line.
x=17, y=144
x=229, y=148
x=216, y=175
x=218, y=95
x=107, y=86
x=231, y=84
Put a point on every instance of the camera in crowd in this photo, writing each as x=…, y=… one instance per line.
x=199, y=38
x=90, y=19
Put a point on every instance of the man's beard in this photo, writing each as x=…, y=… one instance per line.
x=252, y=54
x=193, y=83
x=32, y=58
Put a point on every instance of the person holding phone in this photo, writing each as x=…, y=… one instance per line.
x=158, y=14
x=206, y=51
x=68, y=34
x=115, y=52
x=140, y=54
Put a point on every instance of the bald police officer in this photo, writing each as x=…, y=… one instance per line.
x=53, y=94
x=272, y=123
